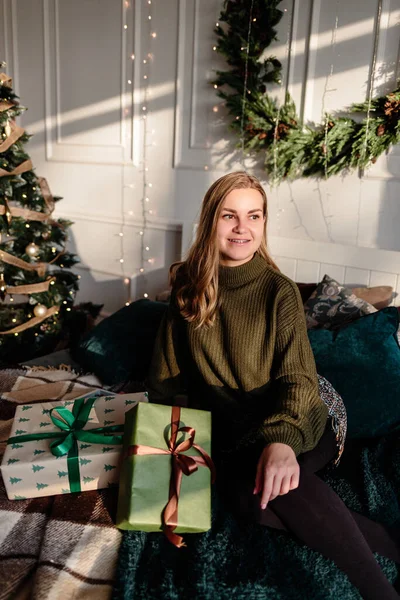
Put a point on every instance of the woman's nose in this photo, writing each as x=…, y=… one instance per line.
x=239, y=227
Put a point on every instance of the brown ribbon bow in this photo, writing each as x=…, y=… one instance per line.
x=181, y=464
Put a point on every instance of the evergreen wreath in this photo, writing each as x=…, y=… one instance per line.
x=292, y=149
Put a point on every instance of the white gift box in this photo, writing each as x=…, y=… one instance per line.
x=30, y=469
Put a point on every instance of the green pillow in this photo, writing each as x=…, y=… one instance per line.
x=362, y=361
x=120, y=347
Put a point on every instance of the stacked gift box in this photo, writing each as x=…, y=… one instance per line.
x=159, y=455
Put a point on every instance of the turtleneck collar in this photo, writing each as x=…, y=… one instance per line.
x=237, y=276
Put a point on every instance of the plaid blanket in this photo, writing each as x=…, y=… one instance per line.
x=63, y=546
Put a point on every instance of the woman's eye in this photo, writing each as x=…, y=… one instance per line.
x=227, y=217
x=254, y=217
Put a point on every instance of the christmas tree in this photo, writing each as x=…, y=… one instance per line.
x=36, y=289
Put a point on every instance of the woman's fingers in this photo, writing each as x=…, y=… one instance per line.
x=295, y=480
x=285, y=485
x=269, y=482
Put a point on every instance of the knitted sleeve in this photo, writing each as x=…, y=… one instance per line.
x=164, y=381
x=300, y=416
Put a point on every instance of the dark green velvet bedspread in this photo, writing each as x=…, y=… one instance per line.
x=238, y=561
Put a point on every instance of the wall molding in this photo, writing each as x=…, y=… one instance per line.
x=155, y=224
x=124, y=153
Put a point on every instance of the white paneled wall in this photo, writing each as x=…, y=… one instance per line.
x=72, y=67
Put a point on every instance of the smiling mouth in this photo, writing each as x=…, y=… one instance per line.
x=238, y=241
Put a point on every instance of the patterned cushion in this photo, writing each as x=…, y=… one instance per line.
x=333, y=304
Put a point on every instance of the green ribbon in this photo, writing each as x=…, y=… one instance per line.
x=66, y=441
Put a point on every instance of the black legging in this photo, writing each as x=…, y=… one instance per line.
x=316, y=515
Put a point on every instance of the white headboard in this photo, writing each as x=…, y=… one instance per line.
x=307, y=261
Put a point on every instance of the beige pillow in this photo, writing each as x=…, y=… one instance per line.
x=379, y=296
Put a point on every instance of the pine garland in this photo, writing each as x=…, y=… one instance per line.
x=292, y=149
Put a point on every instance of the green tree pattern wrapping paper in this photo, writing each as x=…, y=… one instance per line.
x=29, y=468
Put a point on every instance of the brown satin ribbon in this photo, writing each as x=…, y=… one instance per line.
x=22, y=168
x=5, y=105
x=29, y=215
x=16, y=133
x=47, y=196
x=5, y=80
x=31, y=288
x=10, y=259
x=181, y=464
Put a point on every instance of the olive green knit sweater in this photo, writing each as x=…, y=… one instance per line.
x=254, y=368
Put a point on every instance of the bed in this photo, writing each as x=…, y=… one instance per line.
x=67, y=546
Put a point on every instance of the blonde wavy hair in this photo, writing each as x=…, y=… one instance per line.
x=195, y=280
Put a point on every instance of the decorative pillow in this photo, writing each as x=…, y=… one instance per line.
x=332, y=305
x=120, y=347
x=362, y=362
x=379, y=296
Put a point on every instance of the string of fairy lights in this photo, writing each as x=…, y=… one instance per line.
x=145, y=74
x=146, y=207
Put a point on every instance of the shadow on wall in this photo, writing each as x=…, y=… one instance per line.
x=110, y=288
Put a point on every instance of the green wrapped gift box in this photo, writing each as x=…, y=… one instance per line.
x=158, y=450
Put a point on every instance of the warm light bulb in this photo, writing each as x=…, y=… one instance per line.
x=121, y=260
x=214, y=48
x=125, y=26
x=206, y=167
x=127, y=303
x=147, y=199
x=154, y=35
x=254, y=20
x=132, y=56
x=129, y=81
x=144, y=61
x=24, y=196
x=127, y=281
x=144, y=108
x=217, y=24
x=215, y=109
x=215, y=86
x=147, y=248
x=121, y=234
x=27, y=225
x=141, y=270
x=144, y=76
x=149, y=17
x=150, y=184
x=145, y=295
x=140, y=232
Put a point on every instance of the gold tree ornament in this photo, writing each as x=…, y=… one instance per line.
x=7, y=213
x=7, y=129
x=32, y=250
x=3, y=287
x=40, y=310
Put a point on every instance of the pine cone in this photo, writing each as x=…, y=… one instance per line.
x=262, y=136
x=392, y=108
x=381, y=130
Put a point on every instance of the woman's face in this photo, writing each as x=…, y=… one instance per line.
x=240, y=227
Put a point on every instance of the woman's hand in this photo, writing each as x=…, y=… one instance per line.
x=278, y=472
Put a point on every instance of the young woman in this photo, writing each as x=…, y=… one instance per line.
x=234, y=341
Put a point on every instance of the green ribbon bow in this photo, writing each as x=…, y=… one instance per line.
x=71, y=425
